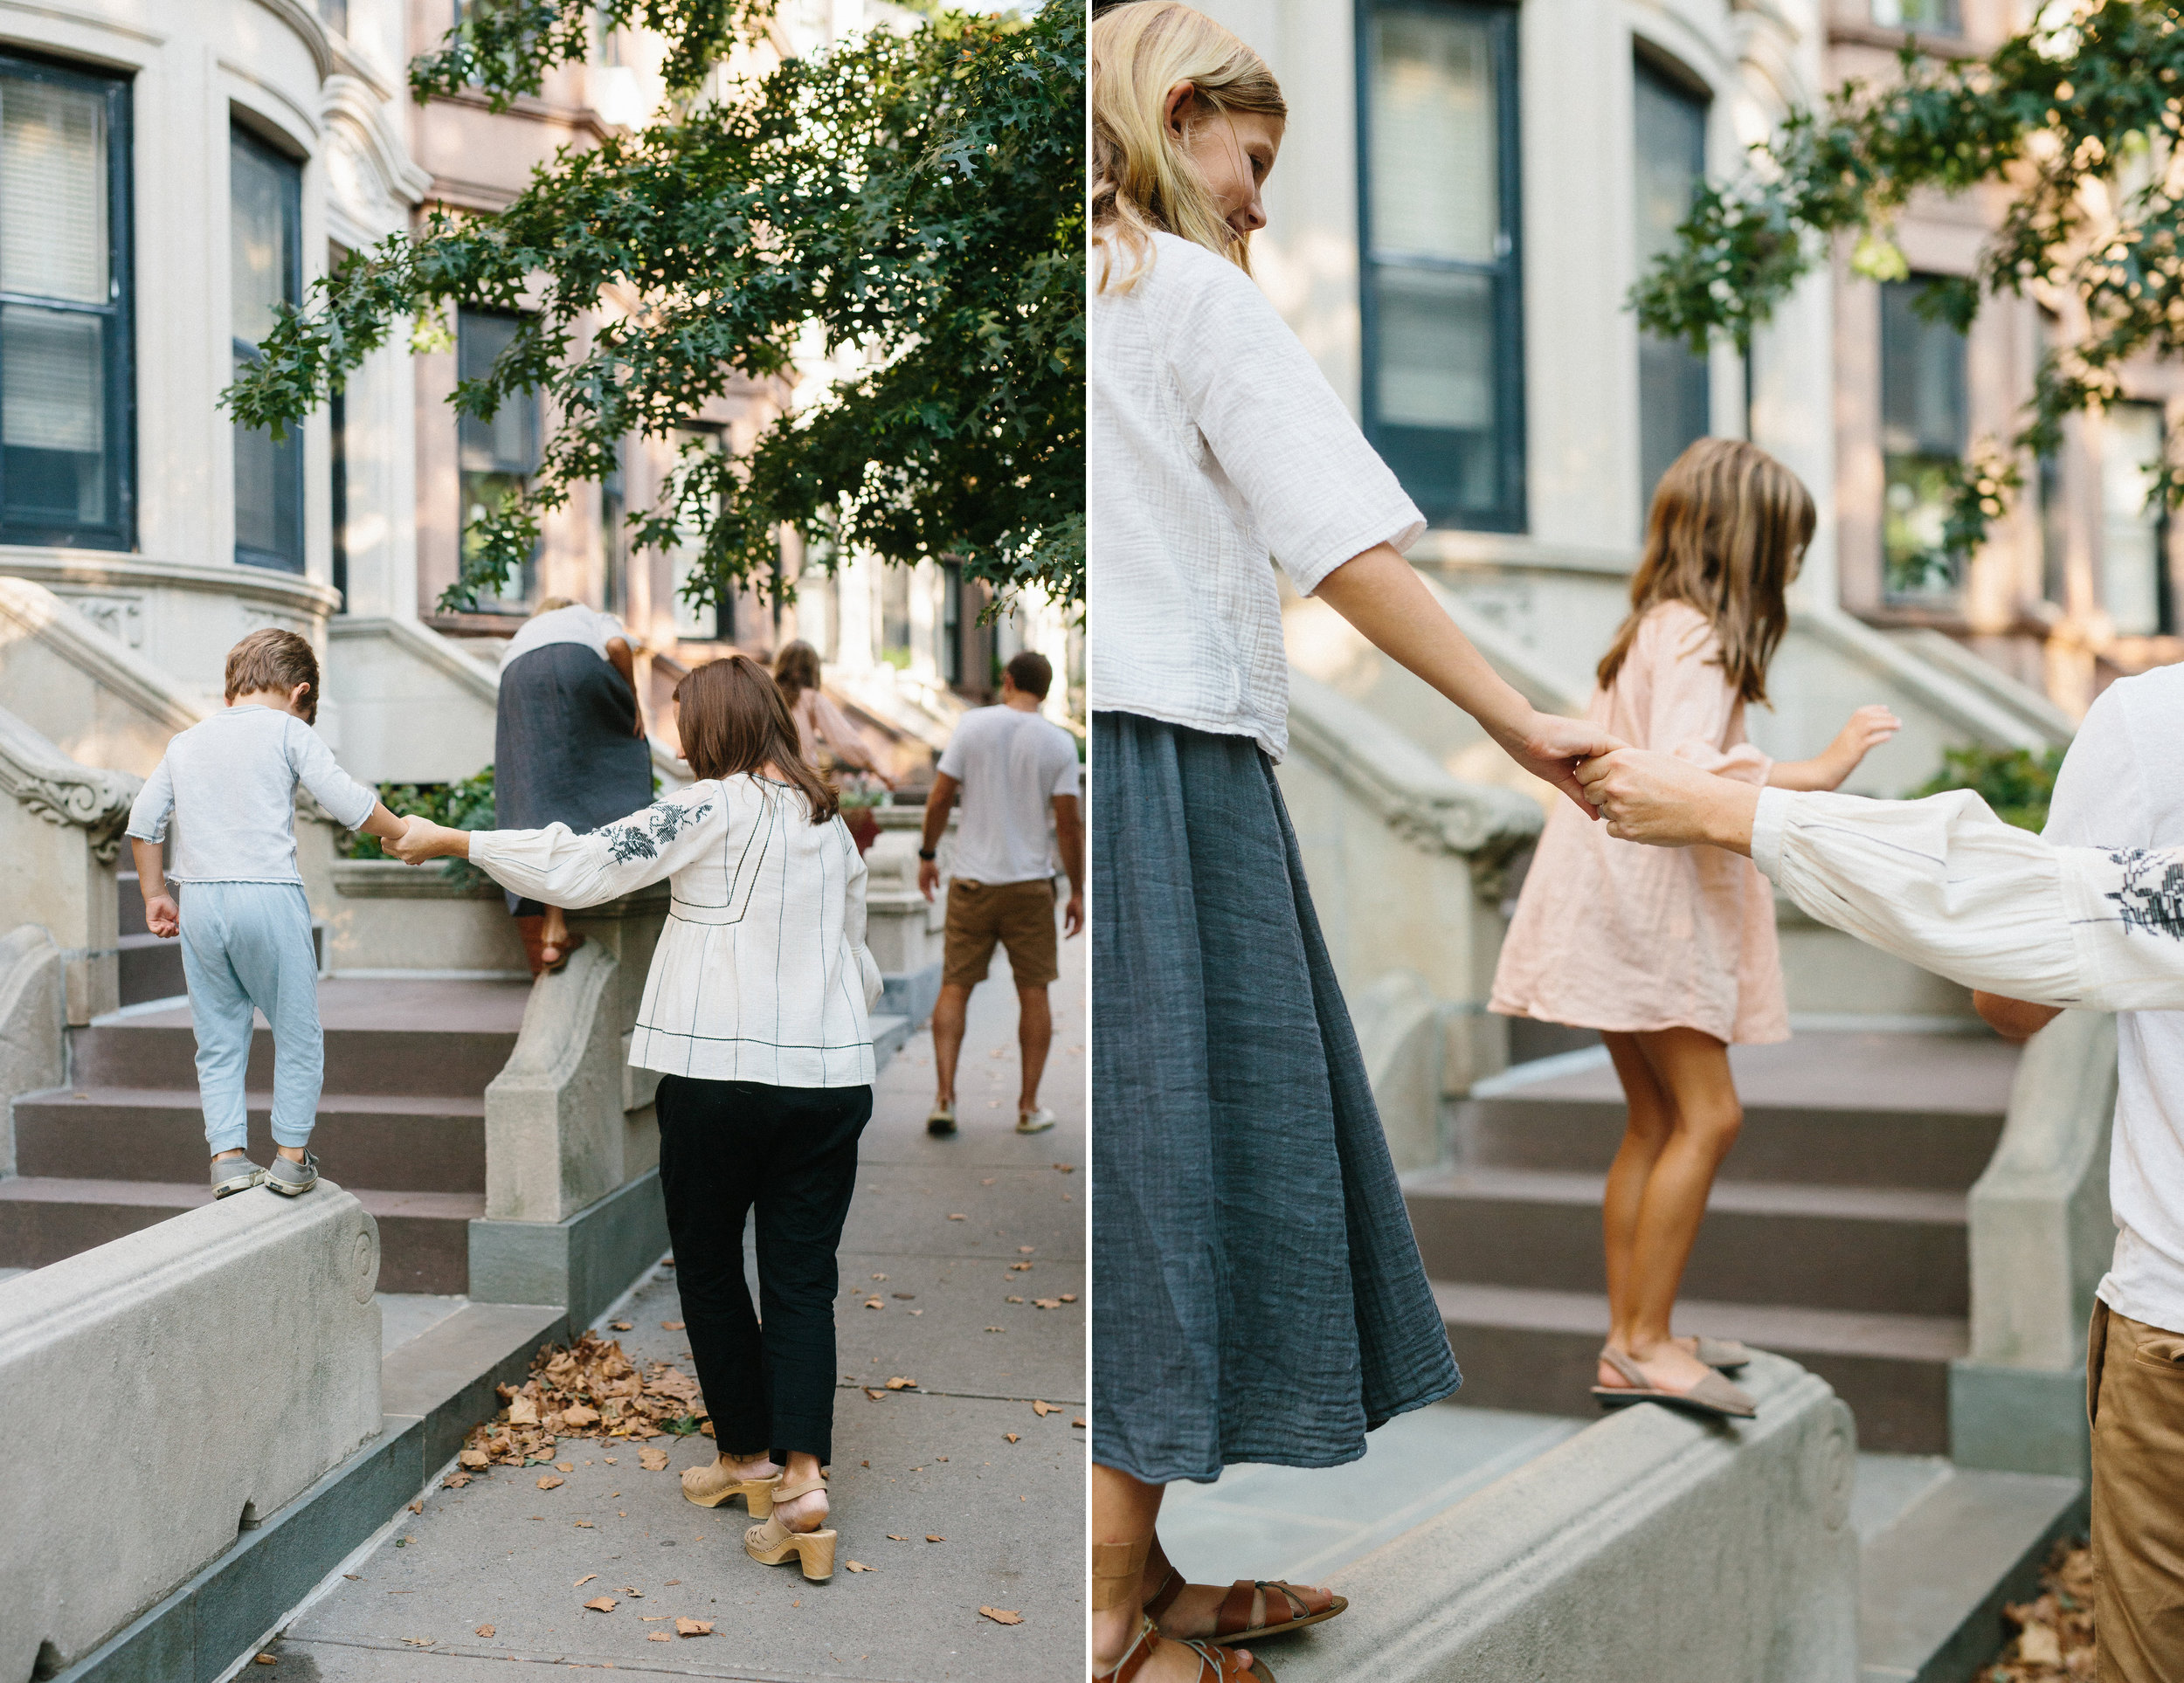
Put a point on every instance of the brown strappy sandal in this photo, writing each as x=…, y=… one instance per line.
x=1230, y=1623
x=1713, y=1396
x=773, y=1543
x=1216, y=1664
x=711, y=1484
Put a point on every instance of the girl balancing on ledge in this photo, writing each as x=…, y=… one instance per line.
x=755, y=1013
x=1261, y=1293
x=1672, y=957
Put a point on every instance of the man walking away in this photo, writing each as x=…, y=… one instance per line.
x=1017, y=773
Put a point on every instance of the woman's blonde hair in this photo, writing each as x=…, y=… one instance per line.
x=1143, y=180
x=1727, y=535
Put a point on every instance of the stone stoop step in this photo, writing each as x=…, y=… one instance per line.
x=151, y=968
x=1836, y=1235
x=1934, y=1578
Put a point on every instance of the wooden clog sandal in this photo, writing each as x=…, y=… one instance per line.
x=1216, y=1665
x=1713, y=1396
x=774, y=1544
x=1307, y=1606
x=713, y=1484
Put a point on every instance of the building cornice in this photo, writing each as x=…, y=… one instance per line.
x=303, y=597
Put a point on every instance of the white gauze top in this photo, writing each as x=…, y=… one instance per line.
x=1216, y=444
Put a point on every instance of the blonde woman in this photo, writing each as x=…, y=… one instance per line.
x=819, y=723
x=1261, y=1293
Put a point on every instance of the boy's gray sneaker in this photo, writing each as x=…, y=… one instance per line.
x=290, y=1179
x=234, y=1175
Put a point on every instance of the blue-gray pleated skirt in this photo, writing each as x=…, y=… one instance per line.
x=1258, y=1294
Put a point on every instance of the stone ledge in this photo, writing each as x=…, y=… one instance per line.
x=581, y=1263
x=1728, y=1546
x=392, y=879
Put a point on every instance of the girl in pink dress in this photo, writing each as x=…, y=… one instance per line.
x=1670, y=953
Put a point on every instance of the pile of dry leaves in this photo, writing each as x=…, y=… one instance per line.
x=589, y=1391
x=2054, y=1642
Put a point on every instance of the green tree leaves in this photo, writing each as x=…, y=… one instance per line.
x=2075, y=121
x=911, y=200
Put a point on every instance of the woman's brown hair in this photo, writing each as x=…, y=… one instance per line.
x=1727, y=535
x=796, y=669
x=732, y=718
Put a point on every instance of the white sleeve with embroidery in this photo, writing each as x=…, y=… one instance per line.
x=561, y=868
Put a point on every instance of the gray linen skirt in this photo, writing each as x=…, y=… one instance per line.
x=1259, y=1294
x=564, y=747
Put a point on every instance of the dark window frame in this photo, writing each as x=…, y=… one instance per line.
x=526, y=582
x=1926, y=455
x=1673, y=358
x=1505, y=274
x=117, y=531
x=290, y=450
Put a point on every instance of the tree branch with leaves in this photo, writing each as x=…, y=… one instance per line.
x=2078, y=122
x=912, y=198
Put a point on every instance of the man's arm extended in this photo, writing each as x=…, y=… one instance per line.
x=1069, y=838
x=937, y=806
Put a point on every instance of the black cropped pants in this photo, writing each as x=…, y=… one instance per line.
x=727, y=1148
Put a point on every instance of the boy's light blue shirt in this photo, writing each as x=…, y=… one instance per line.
x=230, y=782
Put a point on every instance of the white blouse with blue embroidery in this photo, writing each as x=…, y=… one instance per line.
x=762, y=973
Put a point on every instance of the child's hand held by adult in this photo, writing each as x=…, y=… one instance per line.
x=1552, y=748
x=1665, y=802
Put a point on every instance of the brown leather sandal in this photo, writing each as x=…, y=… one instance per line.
x=1216, y=1664
x=1231, y=1622
x=711, y=1484
x=774, y=1544
x=1713, y=1396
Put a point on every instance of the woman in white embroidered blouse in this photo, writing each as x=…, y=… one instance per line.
x=755, y=1013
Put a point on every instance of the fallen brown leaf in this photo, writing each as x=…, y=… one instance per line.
x=879, y=1276
x=874, y=1395
x=1012, y=1437
x=547, y=1482
x=959, y=1218
x=473, y=1458
x=1068, y=1297
x=908, y=1297
x=1016, y=1299
x=485, y=1630
x=658, y=1636
x=1019, y=1267
x=619, y=1326
x=455, y=1481
x=694, y=1627
x=1077, y=1422
x=421, y=1641
x=858, y=1566
x=652, y=1460
x=1046, y=1303
x=931, y=1537
x=580, y=1416
x=585, y=1525
x=986, y=1183
x=892, y=1538
x=1042, y=1409
x=996, y=1329
x=1067, y=1168
x=565, y=1467
x=670, y=1326
x=602, y=1604
x=417, y=1507
x=1002, y=1616
x=900, y=1383
x=874, y=1303
x=585, y=1579
x=266, y=1659
x=1026, y=1250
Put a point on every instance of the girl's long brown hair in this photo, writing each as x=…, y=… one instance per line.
x=732, y=719
x=1727, y=535
x=796, y=669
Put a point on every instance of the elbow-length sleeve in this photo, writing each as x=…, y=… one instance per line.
x=346, y=801
x=1318, y=492
x=561, y=868
x=154, y=805
x=1686, y=700
x=853, y=921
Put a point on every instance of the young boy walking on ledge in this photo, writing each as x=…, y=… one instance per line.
x=229, y=781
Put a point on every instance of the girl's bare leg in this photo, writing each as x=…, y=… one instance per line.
x=1124, y=1511
x=1692, y=1069
x=555, y=932
x=1652, y=1119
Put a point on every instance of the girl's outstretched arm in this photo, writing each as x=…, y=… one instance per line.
x=1379, y=594
x=1870, y=727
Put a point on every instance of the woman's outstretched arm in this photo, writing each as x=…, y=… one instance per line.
x=564, y=869
x=1379, y=594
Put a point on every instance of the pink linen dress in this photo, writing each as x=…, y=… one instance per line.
x=1610, y=934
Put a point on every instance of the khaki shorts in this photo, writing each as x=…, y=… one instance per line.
x=2134, y=1393
x=1020, y=915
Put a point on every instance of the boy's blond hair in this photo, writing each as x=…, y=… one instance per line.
x=1143, y=182
x=274, y=659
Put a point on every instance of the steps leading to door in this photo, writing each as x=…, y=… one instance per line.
x=1836, y=1233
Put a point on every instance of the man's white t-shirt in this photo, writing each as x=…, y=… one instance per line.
x=2122, y=785
x=1011, y=764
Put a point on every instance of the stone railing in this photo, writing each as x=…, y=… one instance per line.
x=902, y=929
x=58, y=837
x=33, y=1021
x=240, y=1343
x=2042, y=1236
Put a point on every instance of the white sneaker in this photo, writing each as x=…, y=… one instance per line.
x=1034, y=1121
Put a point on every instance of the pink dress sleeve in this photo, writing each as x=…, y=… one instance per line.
x=1682, y=699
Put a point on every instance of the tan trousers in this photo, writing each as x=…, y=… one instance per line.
x=2134, y=1397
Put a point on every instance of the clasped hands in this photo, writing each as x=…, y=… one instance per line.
x=422, y=839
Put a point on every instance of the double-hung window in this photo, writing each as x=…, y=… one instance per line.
x=1443, y=386
x=1924, y=429
x=496, y=458
x=264, y=271
x=1669, y=120
x=2134, y=547
x=66, y=387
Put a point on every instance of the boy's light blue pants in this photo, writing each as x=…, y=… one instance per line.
x=245, y=946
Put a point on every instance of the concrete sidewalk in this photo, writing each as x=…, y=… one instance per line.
x=942, y=1221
